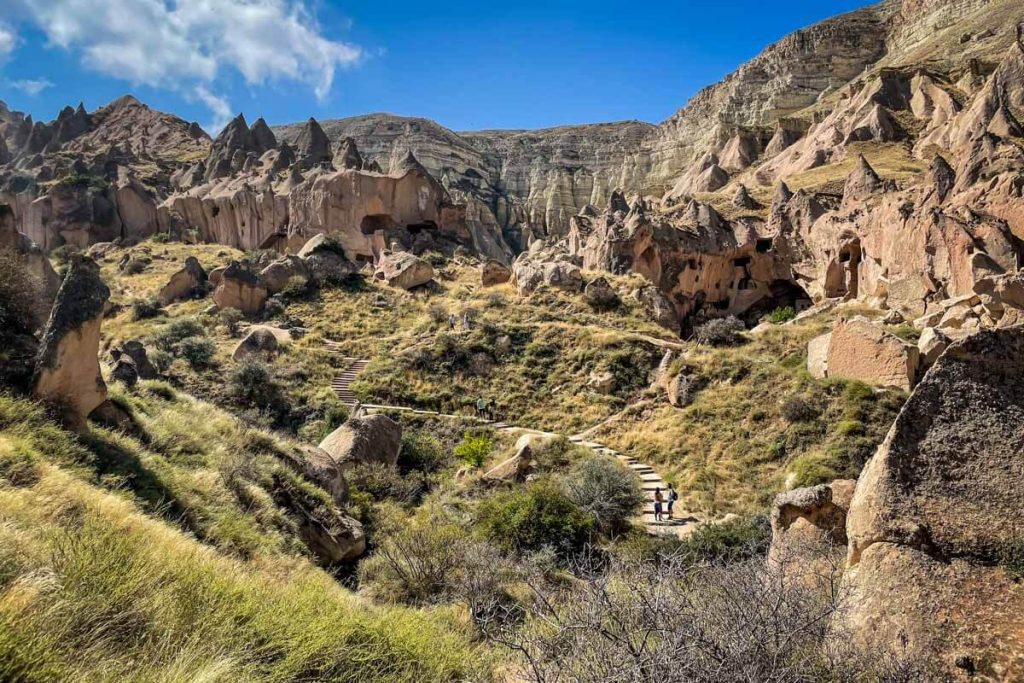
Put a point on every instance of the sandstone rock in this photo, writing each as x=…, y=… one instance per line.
x=513, y=470
x=402, y=269
x=278, y=274
x=862, y=183
x=601, y=382
x=659, y=308
x=346, y=155
x=334, y=540
x=808, y=520
x=817, y=355
x=494, y=273
x=240, y=288
x=563, y=275
x=600, y=294
x=260, y=340
x=742, y=199
x=123, y=370
x=319, y=467
x=184, y=284
x=312, y=147
x=860, y=350
x=30, y=255
x=368, y=440
x=67, y=371
x=679, y=391
x=930, y=346
x=936, y=508
x=136, y=351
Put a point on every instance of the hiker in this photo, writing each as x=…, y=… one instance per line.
x=451, y=322
x=490, y=411
x=465, y=320
x=658, y=500
x=481, y=407
x=672, y=498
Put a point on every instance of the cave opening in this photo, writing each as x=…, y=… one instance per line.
x=374, y=223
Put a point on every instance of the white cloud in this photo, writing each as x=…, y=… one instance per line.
x=8, y=41
x=187, y=44
x=219, y=106
x=31, y=86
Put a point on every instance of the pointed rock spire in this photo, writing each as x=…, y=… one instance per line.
x=862, y=182
x=400, y=165
x=312, y=147
x=782, y=193
x=263, y=139
x=236, y=135
x=742, y=199
x=346, y=155
x=617, y=202
x=942, y=176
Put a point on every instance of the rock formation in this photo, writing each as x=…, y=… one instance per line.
x=241, y=289
x=375, y=439
x=67, y=372
x=936, y=518
x=861, y=350
x=184, y=284
x=402, y=269
x=808, y=520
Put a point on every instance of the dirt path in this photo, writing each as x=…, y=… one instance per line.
x=682, y=524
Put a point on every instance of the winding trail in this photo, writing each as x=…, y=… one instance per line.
x=681, y=525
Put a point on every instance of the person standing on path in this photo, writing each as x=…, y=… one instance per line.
x=481, y=407
x=672, y=498
x=451, y=322
x=658, y=500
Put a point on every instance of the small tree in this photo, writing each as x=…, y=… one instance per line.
x=474, y=449
x=606, y=490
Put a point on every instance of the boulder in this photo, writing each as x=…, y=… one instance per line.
x=284, y=270
x=659, y=308
x=817, y=355
x=67, y=371
x=494, y=273
x=563, y=275
x=185, y=283
x=319, y=467
x=136, y=351
x=807, y=520
x=936, y=518
x=930, y=346
x=368, y=440
x=513, y=470
x=600, y=294
x=123, y=370
x=334, y=538
x=601, y=382
x=402, y=269
x=240, y=288
x=679, y=390
x=861, y=350
x=260, y=340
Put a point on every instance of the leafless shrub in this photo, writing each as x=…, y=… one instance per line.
x=675, y=621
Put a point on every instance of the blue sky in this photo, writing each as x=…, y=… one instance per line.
x=468, y=65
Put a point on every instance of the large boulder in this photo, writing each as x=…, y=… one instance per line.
x=659, y=308
x=319, y=467
x=67, y=371
x=136, y=351
x=936, y=526
x=402, y=269
x=513, y=470
x=240, y=288
x=600, y=294
x=278, y=274
x=861, y=350
x=260, y=340
x=494, y=273
x=374, y=439
x=183, y=284
x=325, y=260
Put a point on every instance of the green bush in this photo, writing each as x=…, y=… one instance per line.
x=781, y=315
x=421, y=452
x=383, y=482
x=721, y=332
x=230, y=318
x=538, y=517
x=732, y=541
x=606, y=490
x=474, y=449
x=252, y=384
x=799, y=409
x=198, y=351
x=170, y=335
x=146, y=308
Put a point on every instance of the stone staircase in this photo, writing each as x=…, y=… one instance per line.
x=682, y=523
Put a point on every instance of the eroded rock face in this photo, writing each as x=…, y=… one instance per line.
x=67, y=370
x=515, y=469
x=861, y=350
x=259, y=340
x=287, y=269
x=184, y=284
x=31, y=256
x=375, y=439
x=404, y=270
x=806, y=520
x=937, y=508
